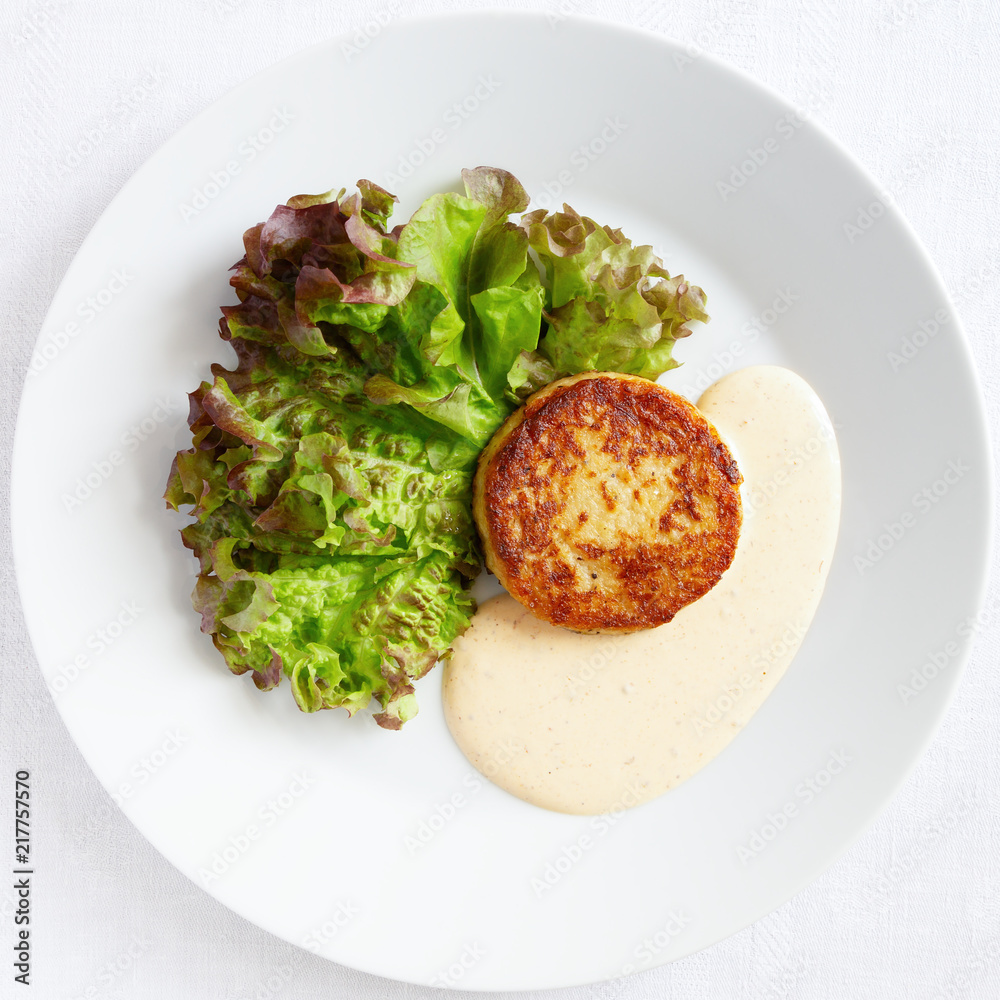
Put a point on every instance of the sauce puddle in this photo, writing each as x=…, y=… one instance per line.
x=608, y=721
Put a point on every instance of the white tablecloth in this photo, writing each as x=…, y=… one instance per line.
x=89, y=90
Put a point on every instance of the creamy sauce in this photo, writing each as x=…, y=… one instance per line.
x=589, y=723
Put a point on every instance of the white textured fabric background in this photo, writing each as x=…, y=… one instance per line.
x=910, y=86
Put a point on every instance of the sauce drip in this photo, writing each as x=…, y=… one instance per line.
x=588, y=723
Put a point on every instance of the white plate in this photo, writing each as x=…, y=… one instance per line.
x=195, y=755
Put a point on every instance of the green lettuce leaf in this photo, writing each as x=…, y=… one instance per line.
x=475, y=262
x=609, y=306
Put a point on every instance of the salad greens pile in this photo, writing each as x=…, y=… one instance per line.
x=331, y=470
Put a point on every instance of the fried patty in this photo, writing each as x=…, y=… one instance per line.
x=607, y=503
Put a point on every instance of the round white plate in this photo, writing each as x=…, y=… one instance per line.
x=385, y=851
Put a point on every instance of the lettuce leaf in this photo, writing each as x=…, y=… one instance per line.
x=609, y=306
x=330, y=473
x=476, y=263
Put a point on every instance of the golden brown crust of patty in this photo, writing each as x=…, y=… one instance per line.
x=607, y=503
